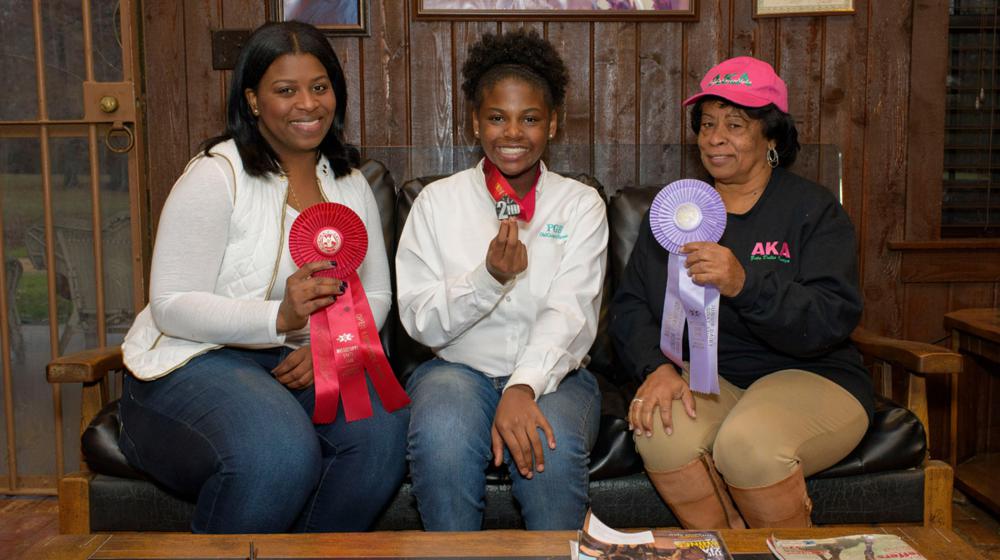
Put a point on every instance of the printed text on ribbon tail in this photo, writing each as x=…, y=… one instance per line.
x=348, y=353
x=390, y=392
x=702, y=307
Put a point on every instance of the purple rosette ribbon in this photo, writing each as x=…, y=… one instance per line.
x=683, y=212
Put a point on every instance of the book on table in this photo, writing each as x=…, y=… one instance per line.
x=851, y=547
x=597, y=541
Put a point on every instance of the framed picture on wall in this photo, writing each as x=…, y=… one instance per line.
x=778, y=8
x=543, y=10
x=333, y=17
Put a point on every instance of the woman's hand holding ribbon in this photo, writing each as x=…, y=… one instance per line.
x=516, y=425
x=296, y=370
x=306, y=293
x=711, y=263
x=506, y=256
x=661, y=387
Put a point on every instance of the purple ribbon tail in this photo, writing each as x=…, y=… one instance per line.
x=685, y=301
x=672, y=326
x=702, y=305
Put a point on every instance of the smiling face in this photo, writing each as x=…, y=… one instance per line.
x=733, y=146
x=514, y=124
x=294, y=103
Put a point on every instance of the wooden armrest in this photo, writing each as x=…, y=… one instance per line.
x=917, y=357
x=87, y=366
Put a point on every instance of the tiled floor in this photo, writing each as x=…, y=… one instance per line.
x=26, y=520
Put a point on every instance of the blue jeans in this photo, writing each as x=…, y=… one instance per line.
x=222, y=431
x=449, y=448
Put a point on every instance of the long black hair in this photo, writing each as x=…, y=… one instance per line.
x=776, y=124
x=267, y=43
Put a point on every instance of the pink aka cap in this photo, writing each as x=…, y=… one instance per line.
x=745, y=81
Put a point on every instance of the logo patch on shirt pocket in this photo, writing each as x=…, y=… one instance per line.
x=554, y=231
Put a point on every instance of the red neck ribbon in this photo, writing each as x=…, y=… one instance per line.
x=499, y=187
x=345, y=345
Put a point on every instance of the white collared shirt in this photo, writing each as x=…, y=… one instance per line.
x=537, y=327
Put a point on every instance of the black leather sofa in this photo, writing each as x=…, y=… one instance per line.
x=887, y=479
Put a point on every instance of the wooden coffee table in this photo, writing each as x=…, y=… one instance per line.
x=935, y=544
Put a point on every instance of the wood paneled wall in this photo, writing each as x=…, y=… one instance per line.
x=871, y=83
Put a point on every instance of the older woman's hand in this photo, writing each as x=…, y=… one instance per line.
x=661, y=387
x=711, y=263
x=305, y=294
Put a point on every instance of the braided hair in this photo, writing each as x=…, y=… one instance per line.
x=521, y=54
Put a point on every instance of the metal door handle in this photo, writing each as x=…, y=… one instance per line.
x=118, y=129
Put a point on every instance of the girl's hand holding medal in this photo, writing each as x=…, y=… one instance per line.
x=506, y=256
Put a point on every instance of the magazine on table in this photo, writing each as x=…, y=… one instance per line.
x=851, y=547
x=597, y=541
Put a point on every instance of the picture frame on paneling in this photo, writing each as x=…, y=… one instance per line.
x=545, y=10
x=335, y=18
x=781, y=8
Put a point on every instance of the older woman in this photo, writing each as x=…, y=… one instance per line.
x=794, y=397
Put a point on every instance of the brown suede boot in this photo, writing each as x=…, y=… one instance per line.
x=698, y=496
x=785, y=503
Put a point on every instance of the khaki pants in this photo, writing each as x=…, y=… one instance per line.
x=758, y=436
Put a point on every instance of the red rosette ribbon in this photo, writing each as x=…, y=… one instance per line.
x=345, y=343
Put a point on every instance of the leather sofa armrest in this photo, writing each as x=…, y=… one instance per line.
x=919, y=360
x=916, y=357
x=90, y=368
x=87, y=366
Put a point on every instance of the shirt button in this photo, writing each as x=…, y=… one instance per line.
x=507, y=298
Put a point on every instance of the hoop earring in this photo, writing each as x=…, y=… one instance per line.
x=772, y=157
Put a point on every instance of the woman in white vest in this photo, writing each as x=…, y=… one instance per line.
x=218, y=404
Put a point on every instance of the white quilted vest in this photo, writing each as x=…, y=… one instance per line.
x=256, y=234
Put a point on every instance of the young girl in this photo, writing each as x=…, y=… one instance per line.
x=500, y=270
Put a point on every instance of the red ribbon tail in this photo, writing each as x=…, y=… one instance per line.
x=390, y=392
x=325, y=376
x=357, y=403
x=346, y=345
x=350, y=354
